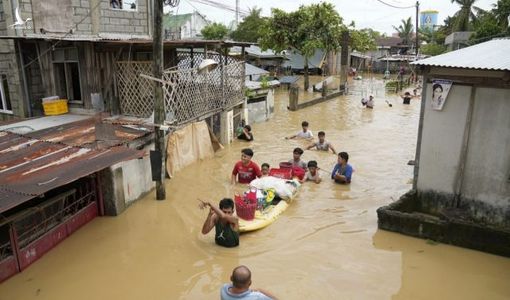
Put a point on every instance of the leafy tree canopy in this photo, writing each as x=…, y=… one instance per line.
x=249, y=29
x=405, y=31
x=433, y=49
x=214, y=31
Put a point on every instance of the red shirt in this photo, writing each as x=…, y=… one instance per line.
x=246, y=173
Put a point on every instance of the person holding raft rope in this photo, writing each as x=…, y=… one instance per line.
x=224, y=222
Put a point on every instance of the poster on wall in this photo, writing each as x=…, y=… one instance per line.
x=440, y=90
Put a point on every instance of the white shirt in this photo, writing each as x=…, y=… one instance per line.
x=305, y=135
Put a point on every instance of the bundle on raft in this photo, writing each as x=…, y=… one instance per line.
x=267, y=198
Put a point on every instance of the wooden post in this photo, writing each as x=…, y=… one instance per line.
x=344, y=61
x=159, y=104
x=293, y=98
x=324, y=91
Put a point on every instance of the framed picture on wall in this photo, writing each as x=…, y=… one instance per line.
x=440, y=90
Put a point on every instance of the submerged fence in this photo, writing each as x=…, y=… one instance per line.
x=188, y=94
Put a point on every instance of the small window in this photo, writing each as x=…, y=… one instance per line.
x=5, y=102
x=67, y=73
x=123, y=4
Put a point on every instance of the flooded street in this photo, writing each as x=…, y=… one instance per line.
x=325, y=246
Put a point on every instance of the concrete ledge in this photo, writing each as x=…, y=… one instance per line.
x=450, y=227
x=317, y=100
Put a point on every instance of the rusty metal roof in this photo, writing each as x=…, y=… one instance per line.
x=34, y=163
x=491, y=55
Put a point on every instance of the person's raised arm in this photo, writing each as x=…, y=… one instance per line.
x=290, y=137
x=310, y=147
x=209, y=222
x=221, y=215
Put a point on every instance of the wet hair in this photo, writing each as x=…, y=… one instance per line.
x=265, y=165
x=247, y=127
x=437, y=85
x=312, y=164
x=241, y=277
x=304, y=124
x=298, y=151
x=247, y=151
x=344, y=155
x=227, y=203
x=322, y=133
x=407, y=93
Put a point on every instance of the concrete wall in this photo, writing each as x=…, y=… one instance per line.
x=442, y=140
x=126, y=182
x=192, y=28
x=485, y=181
x=261, y=111
x=487, y=175
x=84, y=17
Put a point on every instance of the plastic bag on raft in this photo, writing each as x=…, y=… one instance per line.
x=283, y=189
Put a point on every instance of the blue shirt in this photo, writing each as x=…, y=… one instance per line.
x=346, y=171
x=248, y=295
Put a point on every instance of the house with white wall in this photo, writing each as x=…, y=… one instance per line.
x=461, y=189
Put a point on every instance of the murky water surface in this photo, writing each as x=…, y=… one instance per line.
x=325, y=246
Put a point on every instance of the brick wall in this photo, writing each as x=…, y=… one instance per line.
x=124, y=21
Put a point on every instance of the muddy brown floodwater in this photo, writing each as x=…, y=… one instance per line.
x=325, y=246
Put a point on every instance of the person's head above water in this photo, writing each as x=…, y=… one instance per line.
x=304, y=125
x=241, y=277
x=227, y=206
x=246, y=155
x=247, y=127
x=297, y=153
x=321, y=135
x=343, y=157
x=264, y=168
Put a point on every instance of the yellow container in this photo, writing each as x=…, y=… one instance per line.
x=55, y=107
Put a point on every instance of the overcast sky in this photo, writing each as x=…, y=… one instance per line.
x=365, y=13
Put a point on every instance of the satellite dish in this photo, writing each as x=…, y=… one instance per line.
x=207, y=65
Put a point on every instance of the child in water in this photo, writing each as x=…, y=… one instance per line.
x=313, y=172
x=264, y=168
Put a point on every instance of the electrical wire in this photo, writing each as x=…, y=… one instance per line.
x=394, y=6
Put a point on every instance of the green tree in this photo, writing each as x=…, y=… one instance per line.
x=501, y=12
x=405, y=31
x=249, y=29
x=316, y=26
x=466, y=15
x=493, y=23
x=214, y=31
x=433, y=49
x=363, y=40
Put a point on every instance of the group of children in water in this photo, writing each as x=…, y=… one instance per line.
x=246, y=170
x=222, y=218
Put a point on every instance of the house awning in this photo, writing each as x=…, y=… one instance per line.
x=35, y=163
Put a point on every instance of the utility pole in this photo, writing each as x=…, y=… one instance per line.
x=417, y=34
x=159, y=104
x=237, y=12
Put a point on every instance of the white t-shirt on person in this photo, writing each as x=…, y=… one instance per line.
x=305, y=135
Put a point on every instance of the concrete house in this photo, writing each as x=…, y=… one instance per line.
x=184, y=26
x=59, y=172
x=461, y=190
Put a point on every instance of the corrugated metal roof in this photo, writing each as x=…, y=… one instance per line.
x=490, y=55
x=253, y=70
x=297, y=61
x=34, y=163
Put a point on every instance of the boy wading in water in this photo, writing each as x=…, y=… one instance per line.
x=304, y=134
x=322, y=144
x=225, y=223
x=245, y=170
x=342, y=172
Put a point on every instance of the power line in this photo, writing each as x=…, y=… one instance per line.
x=394, y=6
